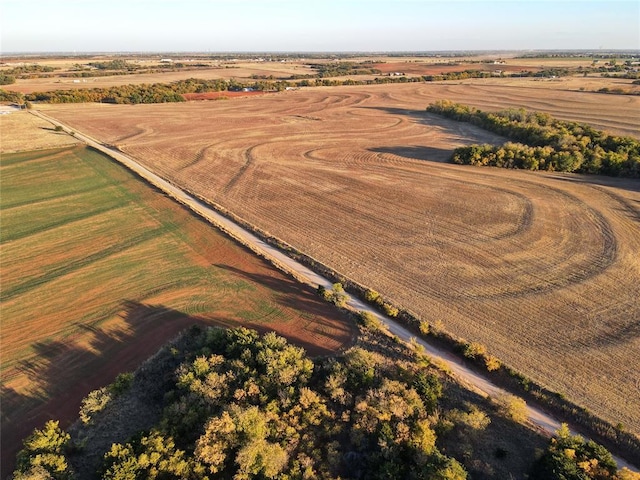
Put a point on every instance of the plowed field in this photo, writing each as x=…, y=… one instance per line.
x=542, y=268
x=99, y=270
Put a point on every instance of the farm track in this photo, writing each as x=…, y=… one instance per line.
x=542, y=268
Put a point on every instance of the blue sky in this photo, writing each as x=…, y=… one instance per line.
x=320, y=25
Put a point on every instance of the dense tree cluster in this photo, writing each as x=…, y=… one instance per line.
x=154, y=93
x=340, y=69
x=249, y=406
x=44, y=455
x=570, y=457
x=543, y=143
x=7, y=96
x=7, y=79
x=29, y=71
x=545, y=73
x=144, y=93
x=116, y=64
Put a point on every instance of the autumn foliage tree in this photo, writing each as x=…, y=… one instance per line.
x=541, y=142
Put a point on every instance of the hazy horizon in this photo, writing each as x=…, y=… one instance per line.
x=398, y=53
x=247, y=26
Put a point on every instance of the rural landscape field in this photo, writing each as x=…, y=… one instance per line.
x=166, y=167
x=541, y=268
x=99, y=270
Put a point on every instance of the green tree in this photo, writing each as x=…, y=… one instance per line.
x=570, y=457
x=512, y=407
x=44, y=450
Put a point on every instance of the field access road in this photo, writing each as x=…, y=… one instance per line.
x=538, y=418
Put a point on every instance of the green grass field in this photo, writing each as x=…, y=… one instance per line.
x=98, y=270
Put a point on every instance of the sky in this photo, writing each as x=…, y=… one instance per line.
x=315, y=25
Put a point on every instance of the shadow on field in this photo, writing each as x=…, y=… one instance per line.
x=416, y=152
x=53, y=130
x=459, y=132
x=64, y=372
x=325, y=317
x=597, y=181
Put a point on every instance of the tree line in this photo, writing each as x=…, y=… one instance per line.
x=143, y=93
x=541, y=142
x=339, y=69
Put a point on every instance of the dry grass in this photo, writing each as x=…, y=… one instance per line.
x=541, y=268
x=21, y=131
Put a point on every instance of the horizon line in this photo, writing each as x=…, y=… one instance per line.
x=299, y=52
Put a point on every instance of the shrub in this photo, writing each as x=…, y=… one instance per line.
x=492, y=363
x=474, y=350
x=322, y=292
x=570, y=456
x=121, y=384
x=337, y=296
x=7, y=79
x=371, y=296
x=390, y=310
x=424, y=327
x=512, y=407
x=93, y=403
x=369, y=320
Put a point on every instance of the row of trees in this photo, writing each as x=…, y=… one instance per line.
x=28, y=71
x=542, y=142
x=143, y=93
x=338, y=69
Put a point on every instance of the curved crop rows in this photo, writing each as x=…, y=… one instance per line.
x=541, y=268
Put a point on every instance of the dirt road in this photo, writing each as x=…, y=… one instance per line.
x=537, y=417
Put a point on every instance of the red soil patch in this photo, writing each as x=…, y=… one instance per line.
x=219, y=95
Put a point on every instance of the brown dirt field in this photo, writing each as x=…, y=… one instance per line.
x=21, y=131
x=86, y=321
x=541, y=268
